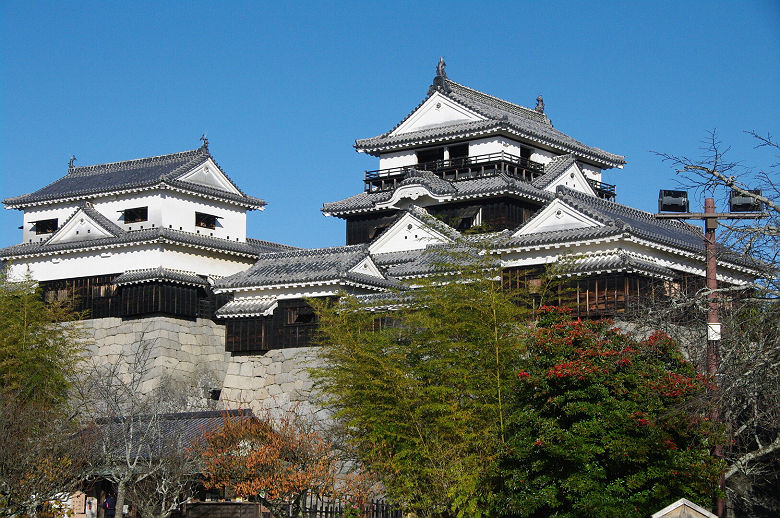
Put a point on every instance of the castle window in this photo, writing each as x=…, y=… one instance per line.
x=301, y=315
x=45, y=226
x=459, y=151
x=430, y=155
x=136, y=214
x=467, y=218
x=375, y=231
x=206, y=220
x=526, y=152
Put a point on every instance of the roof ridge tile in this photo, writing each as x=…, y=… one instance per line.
x=138, y=162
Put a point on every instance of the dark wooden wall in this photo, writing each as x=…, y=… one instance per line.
x=597, y=296
x=98, y=297
x=292, y=324
x=362, y=229
x=497, y=214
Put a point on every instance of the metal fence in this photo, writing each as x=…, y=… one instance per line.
x=314, y=507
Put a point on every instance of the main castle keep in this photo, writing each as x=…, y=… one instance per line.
x=156, y=249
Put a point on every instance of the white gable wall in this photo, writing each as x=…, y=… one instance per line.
x=408, y=233
x=367, y=267
x=80, y=227
x=209, y=175
x=437, y=110
x=573, y=178
x=557, y=216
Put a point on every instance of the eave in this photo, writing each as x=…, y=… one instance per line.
x=247, y=202
x=490, y=128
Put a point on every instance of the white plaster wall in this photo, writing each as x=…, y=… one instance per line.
x=397, y=159
x=83, y=264
x=179, y=214
x=169, y=209
x=119, y=260
x=203, y=262
x=489, y=145
x=60, y=211
x=112, y=207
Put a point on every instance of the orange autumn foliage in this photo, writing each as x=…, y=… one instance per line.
x=276, y=462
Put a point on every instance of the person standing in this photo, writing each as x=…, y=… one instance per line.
x=90, y=512
x=109, y=506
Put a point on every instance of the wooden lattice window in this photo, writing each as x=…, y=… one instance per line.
x=45, y=226
x=204, y=220
x=136, y=214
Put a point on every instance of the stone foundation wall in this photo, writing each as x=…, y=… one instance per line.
x=276, y=380
x=193, y=353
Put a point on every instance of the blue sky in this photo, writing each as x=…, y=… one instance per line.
x=284, y=88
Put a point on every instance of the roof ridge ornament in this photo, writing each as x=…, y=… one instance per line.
x=70, y=162
x=539, y=104
x=205, y=141
x=440, y=81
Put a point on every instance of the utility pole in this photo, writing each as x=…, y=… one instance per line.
x=675, y=200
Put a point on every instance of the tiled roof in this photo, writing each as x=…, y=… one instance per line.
x=247, y=307
x=621, y=220
x=386, y=300
x=304, y=266
x=501, y=115
x=269, y=246
x=434, y=259
x=160, y=274
x=428, y=180
x=635, y=221
x=86, y=181
x=560, y=236
x=493, y=185
x=136, y=237
x=186, y=429
x=553, y=169
x=618, y=262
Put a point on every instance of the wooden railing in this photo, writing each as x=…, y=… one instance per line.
x=455, y=169
x=603, y=190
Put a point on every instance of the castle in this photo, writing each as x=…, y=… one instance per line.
x=157, y=248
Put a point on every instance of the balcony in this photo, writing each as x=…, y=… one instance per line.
x=605, y=191
x=456, y=169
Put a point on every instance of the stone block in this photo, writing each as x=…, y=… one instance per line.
x=233, y=381
x=247, y=369
x=291, y=353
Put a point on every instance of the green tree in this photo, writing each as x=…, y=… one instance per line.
x=420, y=390
x=40, y=447
x=40, y=344
x=598, y=425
